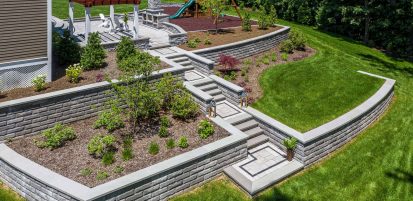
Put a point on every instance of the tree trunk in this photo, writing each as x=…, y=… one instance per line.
x=366, y=23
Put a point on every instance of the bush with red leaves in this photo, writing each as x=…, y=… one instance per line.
x=248, y=89
x=228, y=63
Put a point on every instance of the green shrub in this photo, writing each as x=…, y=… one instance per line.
x=265, y=60
x=110, y=120
x=184, y=107
x=263, y=19
x=232, y=75
x=39, y=83
x=125, y=48
x=191, y=44
x=119, y=169
x=205, y=129
x=163, y=132
x=93, y=54
x=99, y=145
x=290, y=143
x=284, y=56
x=108, y=158
x=274, y=56
x=153, y=148
x=73, y=73
x=183, y=142
x=56, y=137
x=164, y=121
x=127, y=152
x=297, y=39
x=86, y=172
x=66, y=48
x=247, y=62
x=141, y=63
x=197, y=40
x=246, y=22
x=287, y=46
x=273, y=15
x=101, y=175
x=170, y=143
x=167, y=87
x=207, y=41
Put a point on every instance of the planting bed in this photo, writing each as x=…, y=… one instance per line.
x=225, y=36
x=73, y=157
x=61, y=82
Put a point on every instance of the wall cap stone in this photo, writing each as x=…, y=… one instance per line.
x=198, y=92
x=227, y=84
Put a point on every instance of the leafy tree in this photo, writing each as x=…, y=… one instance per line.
x=216, y=7
x=93, y=54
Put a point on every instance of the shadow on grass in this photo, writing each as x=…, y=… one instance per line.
x=401, y=175
x=274, y=194
x=385, y=65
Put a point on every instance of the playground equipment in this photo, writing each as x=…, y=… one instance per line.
x=193, y=8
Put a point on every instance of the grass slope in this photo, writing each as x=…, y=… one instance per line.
x=378, y=165
x=60, y=8
x=8, y=195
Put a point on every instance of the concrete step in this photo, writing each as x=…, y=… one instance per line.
x=239, y=119
x=180, y=59
x=247, y=125
x=185, y=63
x=219, y=97
x=255, y=141
x=214, y=92
x=202, y=82
x=254, y=132
x=208, y=87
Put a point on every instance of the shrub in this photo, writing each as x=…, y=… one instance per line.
x=228, y=63
x=99, y=145
x=101, y=175
x=205, y=129
x=119, y=169
x=66, y=48
x=183, y=142
x=284, y=56
x=163, y=132
x=191, y=44
x=265, y=60
x=153, y=148
x=56, y=137
x=184, y=107
x=170, y=143
x=39, y=83
x=127, y=152
x=297, y=39
x=110, y=120
x=290, y=143
x=73, y=73
x=164, y=121
x=274, y=56
x=207, y=41
x=125, y=48
x=141, y=63
x=197, y=40
x=108, y=158
x=273, y=15
x=168, y=87
x=287, y=46
x=231, y=76
x=86, y=172
x=246, y=22
x=263, y=19
x=93, y=54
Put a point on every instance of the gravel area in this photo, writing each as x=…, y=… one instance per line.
x=70, y=159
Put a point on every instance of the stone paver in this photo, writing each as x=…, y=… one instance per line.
x=193, y=75
x=226, y=109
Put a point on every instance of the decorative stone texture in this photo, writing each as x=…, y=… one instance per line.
x=201, y=64
x=232, y=92
x=157, y=182
x=246, y=48
x=203, y=99
x=178, y=35
x=33, y=114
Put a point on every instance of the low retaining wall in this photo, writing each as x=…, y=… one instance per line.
x=178, y=35
x=246, y=48
x=232, y=92
x=141, y=43
x=36, y=113
x=203, y=99
x=201, y=64
x=319, y=142
x=157, y=182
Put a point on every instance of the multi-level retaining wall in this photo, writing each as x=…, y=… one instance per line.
x=156, y=182
x=247, y=47
x=232, y=92
x=36, y=113
x=319, y=142
x=178, y=35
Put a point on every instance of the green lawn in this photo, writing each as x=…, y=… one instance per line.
x=61, y=8
x=378, y=165
x=8, y=195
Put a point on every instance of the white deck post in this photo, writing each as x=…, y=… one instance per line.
x=112, y=17
x=87, y=23
x=135, y=21
x=71, y=11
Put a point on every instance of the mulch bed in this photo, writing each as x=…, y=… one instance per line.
x=60, y=82
x=252, y=84
x=225, y=36
x=70, y=159
x=202, y=22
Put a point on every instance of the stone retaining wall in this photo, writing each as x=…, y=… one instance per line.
x=316, y=144
x=157, y=182
x=246, y=48
x=203, y=99
x=178, y=35
x=232, y=92
x=36, y=113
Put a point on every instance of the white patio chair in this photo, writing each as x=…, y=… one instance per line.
x=118, y=25
x=105, y=21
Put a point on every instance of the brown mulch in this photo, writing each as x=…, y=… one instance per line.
x=189, y=23
x=225, y=36
x=110, y=68
x=70, y=159
x=252, y=85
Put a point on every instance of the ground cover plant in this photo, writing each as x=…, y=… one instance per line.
x=376, y=165
x=7, y=194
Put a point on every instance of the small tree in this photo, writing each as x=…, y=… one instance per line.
x=216, y=7
x=167, y=87
x=125, y=49
x=66, y=49
x=273, y=15
x=246, y=22
x=228, y=63
x=93, y=54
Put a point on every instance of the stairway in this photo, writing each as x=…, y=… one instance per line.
x=249, y=126
x=210, y=87
x=181, y=59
